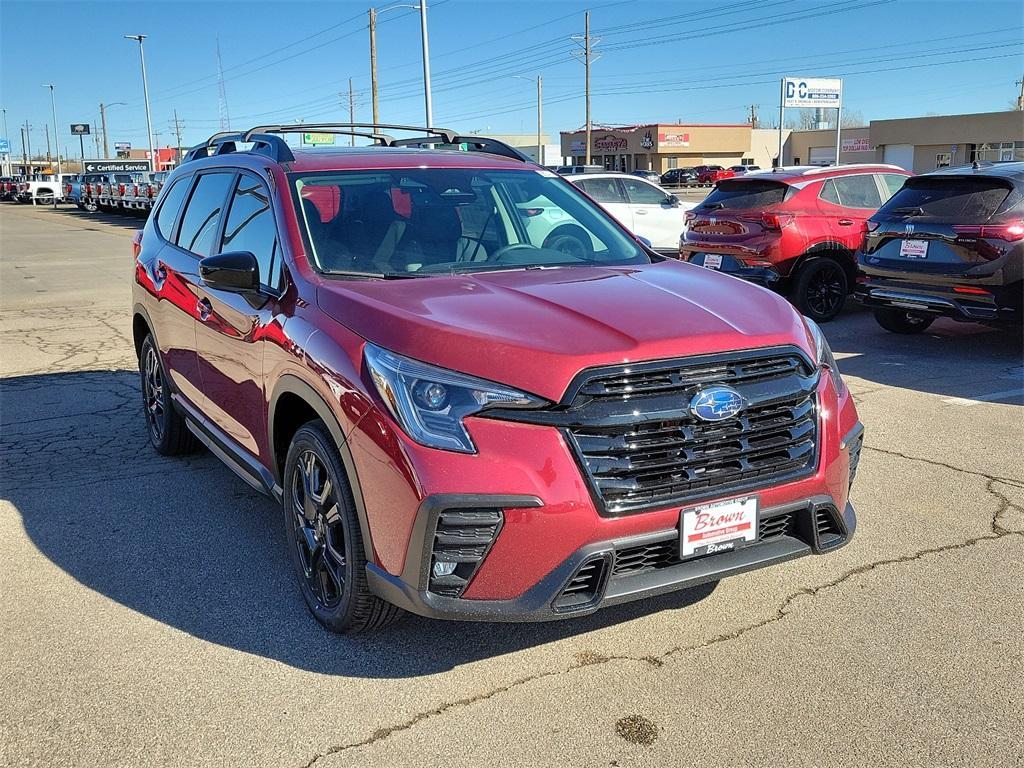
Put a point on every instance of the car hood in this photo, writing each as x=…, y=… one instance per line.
x=536, y=329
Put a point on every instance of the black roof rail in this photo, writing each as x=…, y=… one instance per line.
x=266, y=141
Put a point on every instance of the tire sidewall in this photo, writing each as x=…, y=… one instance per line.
x=162, y=444
x=313, y=436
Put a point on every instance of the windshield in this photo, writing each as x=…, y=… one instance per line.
x=426, y=221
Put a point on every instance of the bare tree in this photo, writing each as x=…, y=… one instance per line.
x=852, y=118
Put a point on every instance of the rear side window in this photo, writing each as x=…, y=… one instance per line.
x=250, y=227
x=202, y=214
x=949, y=198
x=893, y=182
x=170, y=206
x=746, y=194
x=643, y=194
x=858, y=191
x=602, y=190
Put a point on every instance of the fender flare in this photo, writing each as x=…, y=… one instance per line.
x=292, y=384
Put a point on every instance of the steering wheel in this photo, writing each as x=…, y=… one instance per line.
x=499, y=255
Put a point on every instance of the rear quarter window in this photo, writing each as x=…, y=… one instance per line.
x=169, y=207
x=949, y=198
x=746, y=194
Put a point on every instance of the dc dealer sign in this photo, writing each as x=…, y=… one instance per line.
x=814, y=92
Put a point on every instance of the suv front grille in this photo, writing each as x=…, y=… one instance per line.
x=640, y=446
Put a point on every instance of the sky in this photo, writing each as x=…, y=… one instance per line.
x=695, y=62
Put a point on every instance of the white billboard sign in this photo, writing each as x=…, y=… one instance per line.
x=812, y=92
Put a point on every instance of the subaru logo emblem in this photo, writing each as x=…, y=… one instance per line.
x=716, y=403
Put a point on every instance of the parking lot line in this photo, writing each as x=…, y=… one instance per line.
x=984, y=398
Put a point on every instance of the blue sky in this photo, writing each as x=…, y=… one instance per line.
x=702, y=62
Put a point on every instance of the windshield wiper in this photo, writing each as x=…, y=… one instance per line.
x=911, y=210
x=375, y=275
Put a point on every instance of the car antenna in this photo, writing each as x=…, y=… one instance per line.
x=976, y=166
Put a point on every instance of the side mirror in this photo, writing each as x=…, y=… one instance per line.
x=644, y=241
x=672, y=201
x=236, y=271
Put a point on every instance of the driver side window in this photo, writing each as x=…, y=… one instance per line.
x=640, y=193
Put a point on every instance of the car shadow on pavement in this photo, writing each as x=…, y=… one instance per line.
x=950, y=359
x=185, y=542
x=74, y=214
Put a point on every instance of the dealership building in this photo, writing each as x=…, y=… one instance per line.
x=918, y=144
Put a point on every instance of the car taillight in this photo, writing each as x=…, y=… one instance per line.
x=776, y=221
x=120, y=189
x=970, y=289
x=1010, y=232
x=136, y=243
x=135, y=190
x=67, y=189
x=871, y=226
x=689, y=217
x=149, y=191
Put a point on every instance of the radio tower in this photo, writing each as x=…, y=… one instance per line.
x=222, y=97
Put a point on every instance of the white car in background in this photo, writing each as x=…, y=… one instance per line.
x=645, y=209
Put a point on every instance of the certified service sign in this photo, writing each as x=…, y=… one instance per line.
x=812, y=92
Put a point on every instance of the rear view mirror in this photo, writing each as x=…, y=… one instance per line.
x=236, y=271
x=672, y=201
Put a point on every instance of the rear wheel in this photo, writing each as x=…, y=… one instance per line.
x=901, y=321
x=820, y=289
x=167, y=430
x=325, y=543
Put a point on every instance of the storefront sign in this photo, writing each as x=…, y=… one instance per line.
x=122, y=146
x=674, y=139
x=647, y=142
x=314, y=139
x=812, y=92
x=577, y=147
x=856, y=145
x=611, y=143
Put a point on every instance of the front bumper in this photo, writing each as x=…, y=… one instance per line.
x=626, y=572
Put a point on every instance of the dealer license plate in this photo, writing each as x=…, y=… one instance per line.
x=713, y=260
x=914, y=249
x=719, y=527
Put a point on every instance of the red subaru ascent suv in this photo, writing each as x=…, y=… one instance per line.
x=466, y=417
x=795, y=229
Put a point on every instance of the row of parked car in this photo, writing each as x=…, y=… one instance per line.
x=131, y=193
x=695, y=176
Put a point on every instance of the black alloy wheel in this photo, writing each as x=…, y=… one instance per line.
x=167, y=429
x=820, y=290
x=318, y=530
x=153, y=393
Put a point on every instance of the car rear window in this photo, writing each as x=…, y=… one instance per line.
x=948, y=198
x=742, y=194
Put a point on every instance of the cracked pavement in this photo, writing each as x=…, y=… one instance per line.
x=149, y=617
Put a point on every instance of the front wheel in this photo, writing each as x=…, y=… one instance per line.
x=325, y=543
x=901, y=321
x=167, y=430
x=820, y=289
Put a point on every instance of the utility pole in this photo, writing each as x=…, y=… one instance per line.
x=753, y=115
x=24, y=153
x=426, y=65
x=103, y=127
x=589, y=58
x=49, y=154
x=351, y=108
x=1020, y=99
x=373, y=63
x=540, y=121
x=28, y=137
x=177, y=134
x=8, y=170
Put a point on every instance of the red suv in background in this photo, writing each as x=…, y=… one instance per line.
x=796, y=230
x=709, y=174
x=464, y=418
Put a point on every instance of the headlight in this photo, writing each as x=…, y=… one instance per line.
x=430, y=403
x=825, y=357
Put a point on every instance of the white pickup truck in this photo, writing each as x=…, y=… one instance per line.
x=42, y=190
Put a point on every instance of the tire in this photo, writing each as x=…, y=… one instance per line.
x=324, y=541
x=820, y=289
x=901, y=321
x=166, y=428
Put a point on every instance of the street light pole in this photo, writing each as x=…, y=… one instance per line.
x=540, y=121
x=426, y=64
x=9, y=170
x=373, y=64
x=56, y=136
x=145, y=93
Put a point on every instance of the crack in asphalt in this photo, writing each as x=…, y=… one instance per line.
x=590, y=658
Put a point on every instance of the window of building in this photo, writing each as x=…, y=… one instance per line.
x=250, y=227
x=202, y=214
x=994, y=151
x=943, y=159
x=673, y=162
x=746, y=161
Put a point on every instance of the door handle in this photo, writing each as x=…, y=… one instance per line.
x=640, y=212
x=204, y=308
x=846, y=222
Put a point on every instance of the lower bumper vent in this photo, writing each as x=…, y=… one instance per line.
x=829, y=532
x=584, y=588
x=462, y=539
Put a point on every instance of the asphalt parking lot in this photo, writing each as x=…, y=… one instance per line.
x=148, y=614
